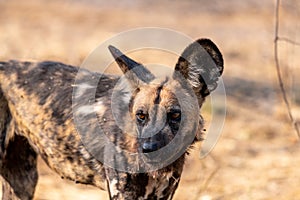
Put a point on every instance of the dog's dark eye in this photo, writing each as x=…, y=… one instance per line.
x=175, y=116
x=141, y=116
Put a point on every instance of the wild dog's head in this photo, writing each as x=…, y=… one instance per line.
x=159, y=118
x=160, y=108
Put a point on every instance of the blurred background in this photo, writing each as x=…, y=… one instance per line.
x=257, y=156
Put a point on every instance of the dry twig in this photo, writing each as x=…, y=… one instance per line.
x=288, y=40
x=279, y=76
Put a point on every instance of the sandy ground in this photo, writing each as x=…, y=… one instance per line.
x=257, y=156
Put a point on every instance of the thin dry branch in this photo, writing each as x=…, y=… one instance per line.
x=284, y=39
x=279, y=76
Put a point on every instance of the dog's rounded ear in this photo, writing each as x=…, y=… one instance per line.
x=201, y=63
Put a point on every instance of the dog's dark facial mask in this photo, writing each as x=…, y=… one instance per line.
x=157, y=117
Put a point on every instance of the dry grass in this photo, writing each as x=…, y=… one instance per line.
x=258, y=154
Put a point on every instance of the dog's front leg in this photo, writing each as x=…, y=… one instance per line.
x=19, y=170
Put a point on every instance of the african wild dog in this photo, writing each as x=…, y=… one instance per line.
x=37, y=117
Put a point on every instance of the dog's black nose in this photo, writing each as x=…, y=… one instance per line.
x=150, y=147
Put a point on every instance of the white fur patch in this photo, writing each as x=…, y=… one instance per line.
x=85, y=110
x=81, y=88
x=98, y=107
x=113, y=187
